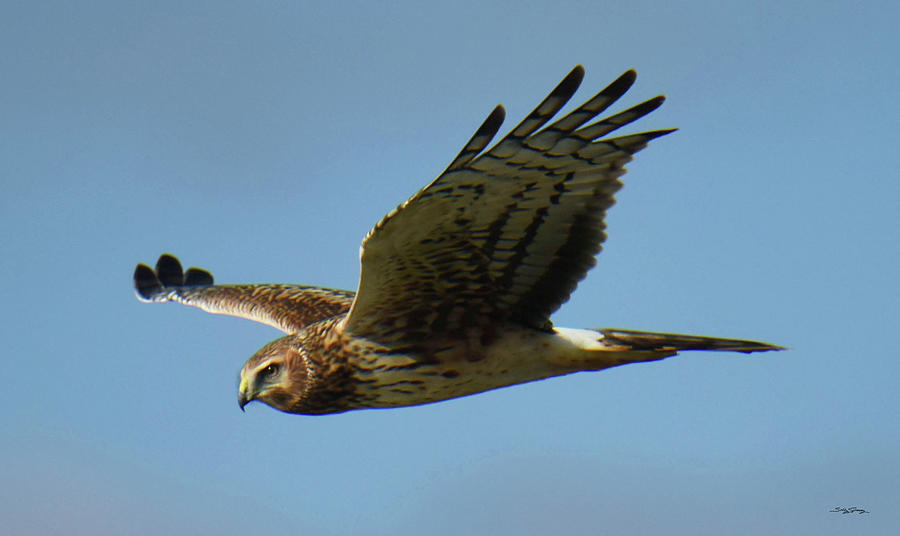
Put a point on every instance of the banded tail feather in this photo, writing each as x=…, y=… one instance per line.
x=648, y=340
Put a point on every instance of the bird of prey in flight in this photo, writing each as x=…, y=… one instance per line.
x=458, y=283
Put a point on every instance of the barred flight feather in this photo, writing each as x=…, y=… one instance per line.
x=285, y=307
x=505, y=235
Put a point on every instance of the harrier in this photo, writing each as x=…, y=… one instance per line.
x=457, y=284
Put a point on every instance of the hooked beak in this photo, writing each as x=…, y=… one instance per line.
x=243, y=393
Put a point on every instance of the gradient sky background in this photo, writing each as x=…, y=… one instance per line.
x=262, y=140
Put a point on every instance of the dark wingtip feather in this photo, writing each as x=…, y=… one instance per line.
x=568, y=86
x=647, y=106
x=146, y=284
x=197, y=277
x=480, y=139
x=169, y=271
x=548, y=107
x=576, y=75
x=653, y=134
x=150, y=284
x=493, y=122
x=621, y=84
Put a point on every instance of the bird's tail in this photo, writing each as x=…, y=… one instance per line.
x=673, y=342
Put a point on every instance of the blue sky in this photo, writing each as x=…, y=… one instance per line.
x=262, y=140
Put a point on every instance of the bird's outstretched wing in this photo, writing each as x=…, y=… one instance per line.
x=503, y=235
x=285, y=307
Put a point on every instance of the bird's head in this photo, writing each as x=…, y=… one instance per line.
x=276, y=375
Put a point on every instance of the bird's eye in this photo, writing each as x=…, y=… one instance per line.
x=270, y=371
